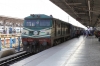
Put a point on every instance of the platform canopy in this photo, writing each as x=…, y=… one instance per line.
x=8, y=21
x=85, y=11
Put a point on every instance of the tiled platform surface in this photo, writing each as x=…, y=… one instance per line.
x=76, y=52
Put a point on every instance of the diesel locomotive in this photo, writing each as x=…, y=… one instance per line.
x=41, y=31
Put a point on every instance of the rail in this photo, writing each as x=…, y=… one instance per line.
x=7, y=61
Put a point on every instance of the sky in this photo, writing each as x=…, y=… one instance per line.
x=23, y=8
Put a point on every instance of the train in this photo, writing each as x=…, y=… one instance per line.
x=41, y=31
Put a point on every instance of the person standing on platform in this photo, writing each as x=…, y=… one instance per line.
x=87, y=33
x=84, y=33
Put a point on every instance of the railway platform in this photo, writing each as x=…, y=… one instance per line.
x=10, y=44
x=82, y=51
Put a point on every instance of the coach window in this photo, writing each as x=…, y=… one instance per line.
x=64, y=28
x=59, y=28
x=58, y=24
x=67, y=30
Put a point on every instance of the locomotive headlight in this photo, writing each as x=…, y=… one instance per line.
x=47, y=33
x=25, y=32
x=35, y=32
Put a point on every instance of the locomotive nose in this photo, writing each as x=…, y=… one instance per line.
x=44, y=43
x=34, y=43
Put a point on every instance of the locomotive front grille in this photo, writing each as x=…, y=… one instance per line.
x=31, y=32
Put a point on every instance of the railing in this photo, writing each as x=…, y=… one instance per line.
x=10, y=41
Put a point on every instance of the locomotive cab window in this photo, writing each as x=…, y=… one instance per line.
x=45, y=22
x=29, y=23
x=34, y=23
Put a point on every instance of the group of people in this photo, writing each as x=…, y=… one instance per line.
x=88, y=32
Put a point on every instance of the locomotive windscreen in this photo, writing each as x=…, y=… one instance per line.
x=29, y=23
x=34, y=23
x=44, y=22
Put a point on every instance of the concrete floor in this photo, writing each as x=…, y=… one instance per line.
x=88, y=54
x=76, y=52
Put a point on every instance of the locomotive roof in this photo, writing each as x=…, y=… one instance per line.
x=43, y=16
x=38, y=16
x=62, y=20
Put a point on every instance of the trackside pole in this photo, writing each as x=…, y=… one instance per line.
x=4, y=41
x=0, y=44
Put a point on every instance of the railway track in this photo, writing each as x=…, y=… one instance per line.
x=7, y=61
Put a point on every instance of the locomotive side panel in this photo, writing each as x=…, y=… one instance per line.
x=61, y=31
x=57, y=28
x=56, y=31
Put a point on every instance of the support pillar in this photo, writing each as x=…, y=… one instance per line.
x=13, y=28
x=20, y=27
x=10, y=42
x=4, y=41
x=0, y=44
x=8, y=28
x=4, y=30
x=19, y=41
